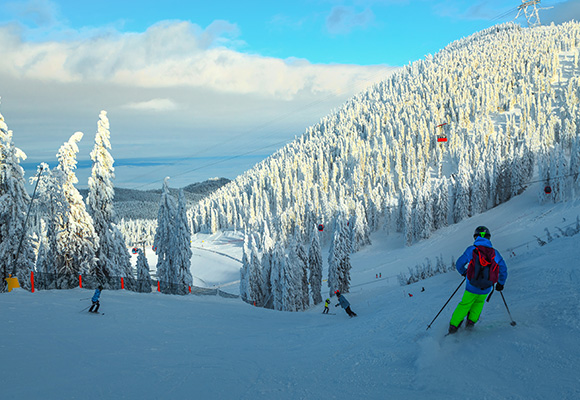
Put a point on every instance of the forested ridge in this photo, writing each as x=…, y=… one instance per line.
x=505, y=100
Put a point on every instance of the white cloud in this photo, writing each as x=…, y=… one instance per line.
x=172, y=54
x=153, y=105
x=208, y=98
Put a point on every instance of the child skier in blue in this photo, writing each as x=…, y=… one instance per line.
x=483, y=267
x=95, y=300
x=343, y=302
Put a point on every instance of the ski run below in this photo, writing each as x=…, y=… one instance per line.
x=156, y=346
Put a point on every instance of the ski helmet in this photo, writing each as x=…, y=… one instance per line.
x=481, y=231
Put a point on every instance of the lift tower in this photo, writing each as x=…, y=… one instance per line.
x=530, y=10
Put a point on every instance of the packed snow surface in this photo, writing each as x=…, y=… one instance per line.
x=156, y=346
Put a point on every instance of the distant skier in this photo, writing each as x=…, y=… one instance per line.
x=95, y=300
x=343, y=302
x=485, y=267
x=326, y=304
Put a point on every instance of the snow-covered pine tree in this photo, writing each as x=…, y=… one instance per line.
x=301, y=261
x=333, y=263
x=339, y=256
x=51, y=205
x=266, y=267
x=407, y=214
x=42, y=264
x=441, y=204
x=162, y=242
x=245, y=270
x=419, y=215
x=575, y=167
x=361, y=232
x=345, y=267
x=462, y=198
x=77, y=241
x=545, y=175
x=276, y=276
x=255, y=293
x=291, y=282
x=16, y=248
x=479, y=194
x=180, y=241
x=113, y=256
x=266, y=270
x=143, y=274
x=315, y=266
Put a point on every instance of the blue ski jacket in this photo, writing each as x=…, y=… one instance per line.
x=343, y=301
x=96, y=295
x=465, y=258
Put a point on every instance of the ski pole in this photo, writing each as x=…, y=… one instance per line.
x=513, y=323
x=83, y=309
x=446, y=303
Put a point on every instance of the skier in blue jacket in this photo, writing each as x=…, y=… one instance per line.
x=476, y=291
x=343, y=302
x=95, y=300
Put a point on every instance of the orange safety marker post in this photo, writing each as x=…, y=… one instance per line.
x=32, y=281
x=158, y=286
x=12, y=282
x=122, y=283
x=81, y=281
x=189, y=289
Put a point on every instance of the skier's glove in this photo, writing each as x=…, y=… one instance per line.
x=464, y=274
x=498, y=287
x=336, y=305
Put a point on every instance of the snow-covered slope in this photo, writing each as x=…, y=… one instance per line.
x=154, y=346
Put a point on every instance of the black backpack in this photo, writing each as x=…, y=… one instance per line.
x=483, y=271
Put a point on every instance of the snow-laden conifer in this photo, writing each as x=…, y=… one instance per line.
x=180, y=244
x=16, y=248
x=407, y=215
x=143, y=274
x=76, y=240
x=315, y=267
x=291, y=282
x=575, y=167
x=51, y=205
x=462, y=196
x=301, y=262
x=245, y=271
x=339, y=256
x=360, y=230
x=256, y=293
x=266, y=275
x=113, y=256
x=276, y=276
x=162, y=242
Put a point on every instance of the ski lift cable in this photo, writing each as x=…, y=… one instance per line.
x=505, y=14
x=373, y=78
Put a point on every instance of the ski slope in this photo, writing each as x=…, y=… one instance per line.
x=155, y=346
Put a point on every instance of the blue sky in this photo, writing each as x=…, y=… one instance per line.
x=200, y=89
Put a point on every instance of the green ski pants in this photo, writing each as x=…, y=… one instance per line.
x=471, y=304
